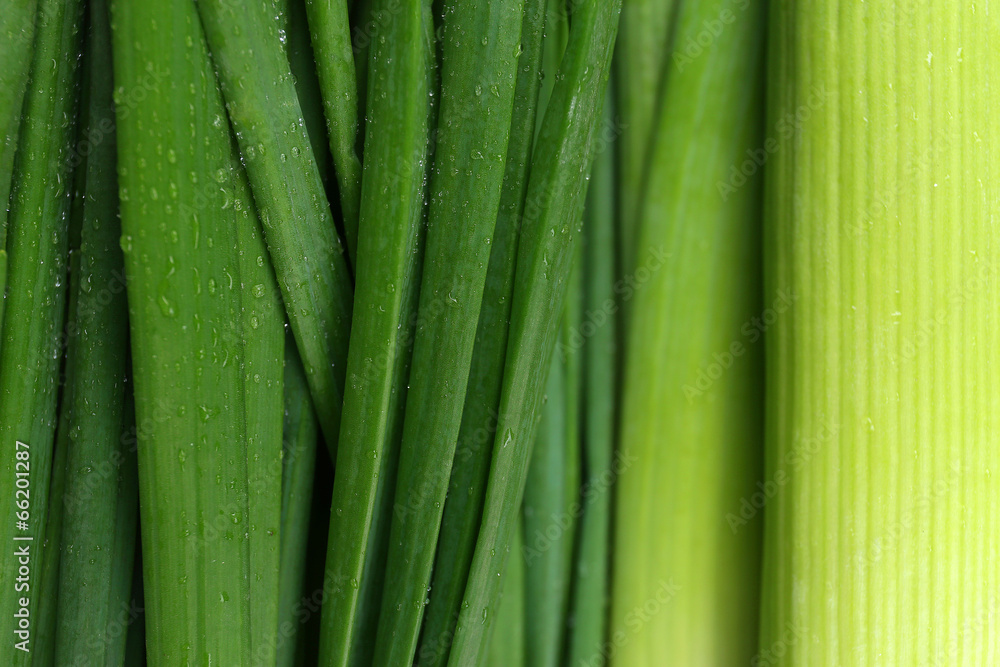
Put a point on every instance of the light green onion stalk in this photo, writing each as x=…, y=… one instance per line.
x=883, y=396
x=685, y=580
x=642, y=65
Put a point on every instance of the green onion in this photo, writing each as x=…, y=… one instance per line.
x=549, y=524
x=551, y=495
x=590, y=588
x=691, y=447
x=463, y=506
x=507, y=645
x=29, y=360
x=331, y=41
x=187, y=225
x=643, y=66
x=390, y=238
x=100, y=504
x=473, y=130
x=882, y=399
x=263, y=340
x=553, y=47
x=48, y=600
x=298, y=225
x=48, y=603
x=17, y=28
x=299, y=466
x=302, y=63
x=363, y=31
x=545, y=253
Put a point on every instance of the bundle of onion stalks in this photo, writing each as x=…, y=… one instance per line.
x=397, y=332
x=237, y=231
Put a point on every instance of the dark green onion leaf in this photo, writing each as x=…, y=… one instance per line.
x=556, y=187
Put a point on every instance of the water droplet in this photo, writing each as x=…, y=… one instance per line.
x=167, y=307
